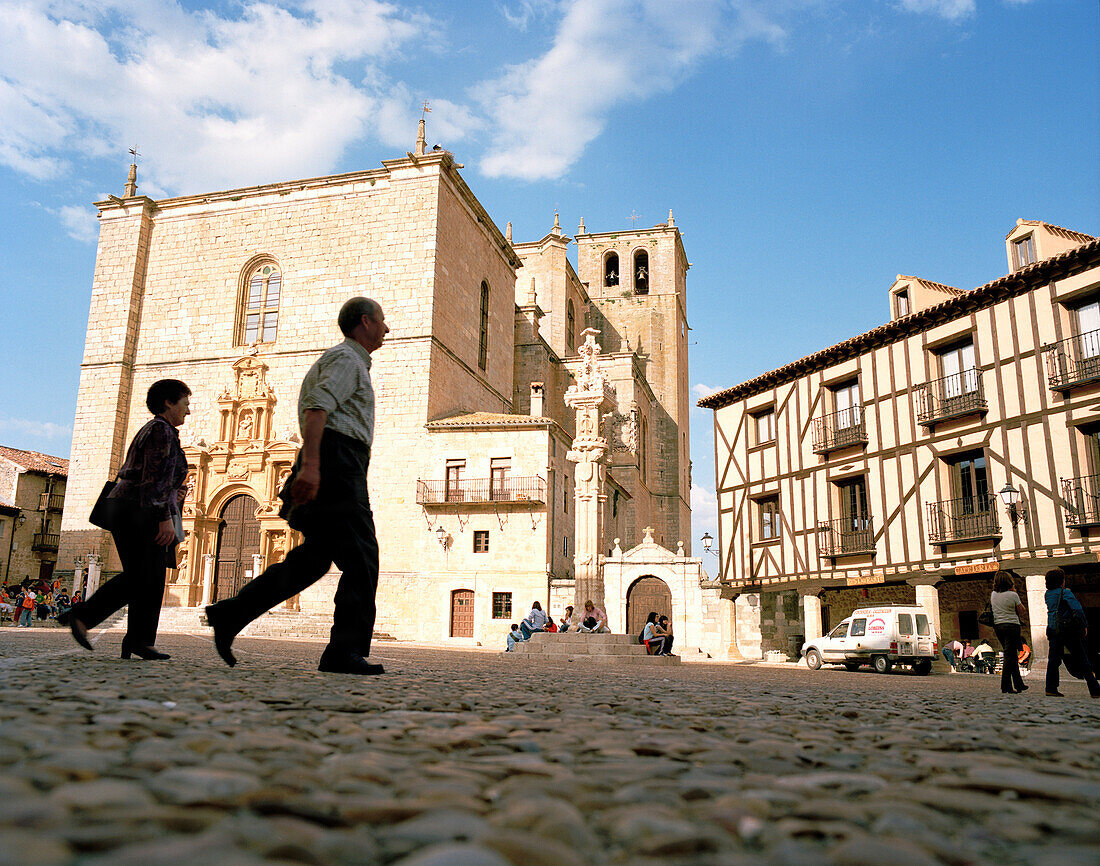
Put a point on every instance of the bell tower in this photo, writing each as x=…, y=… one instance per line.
x=637, y=283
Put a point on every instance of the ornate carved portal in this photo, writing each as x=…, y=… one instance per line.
x=245, y=461
x=591, y=395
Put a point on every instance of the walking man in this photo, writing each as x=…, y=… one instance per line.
x=326, y=499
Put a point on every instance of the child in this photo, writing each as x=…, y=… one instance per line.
x=514, y=637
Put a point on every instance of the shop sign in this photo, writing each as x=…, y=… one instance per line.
x=978, y=568
x=867, y=579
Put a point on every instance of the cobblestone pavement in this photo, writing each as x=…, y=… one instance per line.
x=463, y=759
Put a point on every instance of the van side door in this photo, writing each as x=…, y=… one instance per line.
x=925, y=638
x=832, y=648
x=857, y=635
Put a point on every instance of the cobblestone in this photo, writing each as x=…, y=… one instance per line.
x=461, y=758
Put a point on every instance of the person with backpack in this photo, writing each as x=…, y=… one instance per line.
x=26, y=608
x=654, y=642
x=1066, y=631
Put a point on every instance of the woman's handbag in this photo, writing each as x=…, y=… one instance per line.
x=107, y=513
x=986, y=616
x=1066, y=622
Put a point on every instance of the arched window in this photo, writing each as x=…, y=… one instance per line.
x=483, y=338
x=611, y=270
x=570, y=326
x=258, y=321
x=641, y=273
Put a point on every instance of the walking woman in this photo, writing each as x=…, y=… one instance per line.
x=1008, y=615
x=147, y=498
x=1066, y=639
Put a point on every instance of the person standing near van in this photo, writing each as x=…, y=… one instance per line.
x=1008, y=617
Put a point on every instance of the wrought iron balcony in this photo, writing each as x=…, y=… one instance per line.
x=963, y=519
x=950, y=397
x=1081, y=500
x=846, y=537
x=510, y=489
x=51, y=501
x=1075, y=361
x=47, y=541
x=839, y=430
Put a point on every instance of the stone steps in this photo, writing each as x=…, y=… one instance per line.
x=273, y=624
x=596, y=649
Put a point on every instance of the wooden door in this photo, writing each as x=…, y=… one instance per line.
x=644, y=595
x=462, y=613
x=238, y=541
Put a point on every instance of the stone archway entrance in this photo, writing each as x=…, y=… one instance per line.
x=646, y=594
x=238, y=542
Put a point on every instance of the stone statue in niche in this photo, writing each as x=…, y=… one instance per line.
x=244, y=426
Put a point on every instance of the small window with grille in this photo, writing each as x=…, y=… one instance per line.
x=481, y=541
x=502, y=605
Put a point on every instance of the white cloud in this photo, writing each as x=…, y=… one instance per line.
x=520, y=14
x=80, y=222
x=212, y=100
x=700, y=391
x=952, y=10
x=40, y=429
x=605, y=52
x=704, y=519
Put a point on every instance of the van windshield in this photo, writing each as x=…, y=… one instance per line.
x=922, y=625
x=905, y=624
x=859, y=627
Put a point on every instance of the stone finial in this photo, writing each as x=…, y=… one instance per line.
x=671, y=221
x=130, y=190
x=532, y=295
x=508, y=232
x=421, y=142
x=557, y=224
x=648, y=535
x=581, y=229
x=680, y=549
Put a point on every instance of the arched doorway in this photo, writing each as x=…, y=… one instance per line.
x=644, y=595
x=462, y=613
x=238, y=542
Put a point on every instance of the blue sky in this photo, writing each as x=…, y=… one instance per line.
x=810, y=149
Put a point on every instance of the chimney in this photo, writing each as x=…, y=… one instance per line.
x=536, y=399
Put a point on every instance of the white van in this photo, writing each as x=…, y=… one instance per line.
x=877, y=636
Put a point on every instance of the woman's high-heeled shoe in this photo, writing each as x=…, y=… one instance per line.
x=143, y=652
x=77, y=627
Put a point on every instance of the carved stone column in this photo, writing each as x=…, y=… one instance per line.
x=94, y=567
x=78, y=576
x=591, y=395
x=207, y=578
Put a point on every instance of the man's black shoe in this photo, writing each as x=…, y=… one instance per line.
x=223, y=634
x=348, y=664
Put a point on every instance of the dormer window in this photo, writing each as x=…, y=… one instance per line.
x=901, y=304
x=1023, y=251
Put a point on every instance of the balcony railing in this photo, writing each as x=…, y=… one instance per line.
x=846, y=537
x=1074, y=361
x=950, y=397
x=51, y=501
x=472, y=490
x=968, y=517
x=46, y=541
x=839, y=430
x=1081, y=500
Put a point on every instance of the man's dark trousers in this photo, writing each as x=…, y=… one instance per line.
x=338, y=527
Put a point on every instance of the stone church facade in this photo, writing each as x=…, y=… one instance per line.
x=236, y=293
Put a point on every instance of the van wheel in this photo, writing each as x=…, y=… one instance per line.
x=852, y=666
x=882, y=665
x=922, y=667
x=813, y=659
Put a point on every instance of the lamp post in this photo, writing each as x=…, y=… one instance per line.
x=1010, y=496
x=708, y=540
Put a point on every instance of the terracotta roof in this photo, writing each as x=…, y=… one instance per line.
x=33, y=461
x=489, y=419
x=1068, y=263
x=936, y=287
x=1069, y=234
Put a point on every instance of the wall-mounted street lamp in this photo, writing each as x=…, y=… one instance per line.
x=708, y=540
x=441, y=536
x=21, y=519
x=1010, y=496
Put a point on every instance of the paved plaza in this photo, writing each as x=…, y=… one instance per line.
x=462, y=758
